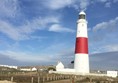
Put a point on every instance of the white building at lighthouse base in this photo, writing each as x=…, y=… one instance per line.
x=61, y=70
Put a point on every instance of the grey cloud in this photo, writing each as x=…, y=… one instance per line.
x=104, y=30
x=109, y=26
x=104, y=61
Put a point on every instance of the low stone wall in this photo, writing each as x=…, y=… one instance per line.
x=75, y=73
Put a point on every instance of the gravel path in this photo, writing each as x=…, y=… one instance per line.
x=6, y=81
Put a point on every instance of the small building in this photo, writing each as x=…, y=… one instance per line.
x=34, y=69
x=112, y=73
x=59, y=66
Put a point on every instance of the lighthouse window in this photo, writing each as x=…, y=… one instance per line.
x=82, y=16
x=82, y=24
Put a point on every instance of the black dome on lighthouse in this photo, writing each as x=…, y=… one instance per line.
x=82, y=15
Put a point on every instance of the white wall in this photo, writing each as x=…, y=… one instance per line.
x=15, y=67
x=112, y=73
x=25, y=69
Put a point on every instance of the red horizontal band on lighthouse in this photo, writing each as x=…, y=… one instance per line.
x=81, y=45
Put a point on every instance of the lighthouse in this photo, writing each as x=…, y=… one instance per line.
x=81, y=62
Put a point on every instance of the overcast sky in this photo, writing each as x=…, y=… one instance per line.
x=44, y=31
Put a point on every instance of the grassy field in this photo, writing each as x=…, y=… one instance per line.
x=16, y=76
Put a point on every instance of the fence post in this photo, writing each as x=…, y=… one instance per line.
x=38, y=79
x=12, y=78
x=32, y=80
x=43, y=79
x=50, y=78
x=47, y=78
x=72, y=79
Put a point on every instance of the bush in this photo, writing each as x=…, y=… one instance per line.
x=51, y=68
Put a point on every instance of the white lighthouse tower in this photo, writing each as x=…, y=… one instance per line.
x=81, y=63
